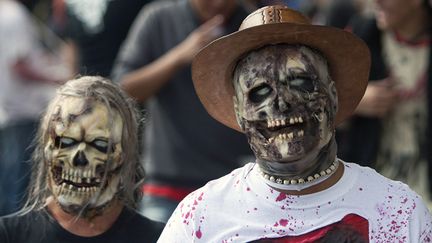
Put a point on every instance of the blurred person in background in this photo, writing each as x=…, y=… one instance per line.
x=340, y=12
x=94, y=31
x=28, y=73
x=391, y=130
x=255, y=4
x=181, y=139
x=336, y=13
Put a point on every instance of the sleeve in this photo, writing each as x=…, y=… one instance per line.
x=180, y=226
x=421, y=223
x=139, y=47
x=175, y=229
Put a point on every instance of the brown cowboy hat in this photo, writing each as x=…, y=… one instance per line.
x=213, y=66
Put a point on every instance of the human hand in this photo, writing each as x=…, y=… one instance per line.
x=380, y=97
x=200, y=37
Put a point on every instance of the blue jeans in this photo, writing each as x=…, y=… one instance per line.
x=157, y=208
x=15, y=164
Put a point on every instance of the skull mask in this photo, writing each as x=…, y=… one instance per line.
x=285, y=102
x=84, y=154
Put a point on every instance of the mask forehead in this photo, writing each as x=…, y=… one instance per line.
x=284, y=101
x=87, y=120
x=267, y=64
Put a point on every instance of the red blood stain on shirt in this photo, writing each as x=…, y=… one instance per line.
x=283, y=222
x=281, y=197
x=198, y=233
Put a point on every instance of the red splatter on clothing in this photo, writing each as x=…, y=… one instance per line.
x=281, y=197
x=283, y=222
x=198, y=233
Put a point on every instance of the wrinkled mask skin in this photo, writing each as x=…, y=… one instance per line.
x=285, y=103
x=83, y=154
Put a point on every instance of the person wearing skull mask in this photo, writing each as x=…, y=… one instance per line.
x=86, y=177
x=286, y=84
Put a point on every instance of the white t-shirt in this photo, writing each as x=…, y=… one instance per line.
x=241, y=207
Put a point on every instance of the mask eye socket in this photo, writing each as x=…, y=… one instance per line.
x=64, y=142
x=304, y=84
x=260, y=93
x=100, y=144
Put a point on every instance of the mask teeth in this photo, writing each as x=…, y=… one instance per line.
x=77, y=176
x=286, y=136
x=300, y=133
x=279, y=122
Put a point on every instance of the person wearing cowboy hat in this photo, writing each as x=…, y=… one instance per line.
x=286, y=84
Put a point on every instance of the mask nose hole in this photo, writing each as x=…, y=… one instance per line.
x=80, y=159
x=281, y=104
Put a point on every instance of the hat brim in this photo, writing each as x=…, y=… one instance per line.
x=213, y=66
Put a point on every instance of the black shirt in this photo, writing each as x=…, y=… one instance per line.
x=98, y=28
x=41, y=227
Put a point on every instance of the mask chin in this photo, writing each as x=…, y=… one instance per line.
x=77, y=198
x=287, y=139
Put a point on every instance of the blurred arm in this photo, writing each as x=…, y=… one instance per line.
x=379, y=99
x=143, y=82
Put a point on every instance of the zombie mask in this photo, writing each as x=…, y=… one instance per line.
x=84, y=154
x=285, y=102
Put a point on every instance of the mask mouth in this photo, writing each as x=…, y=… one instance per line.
x=80, y=179
x=289, y=128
